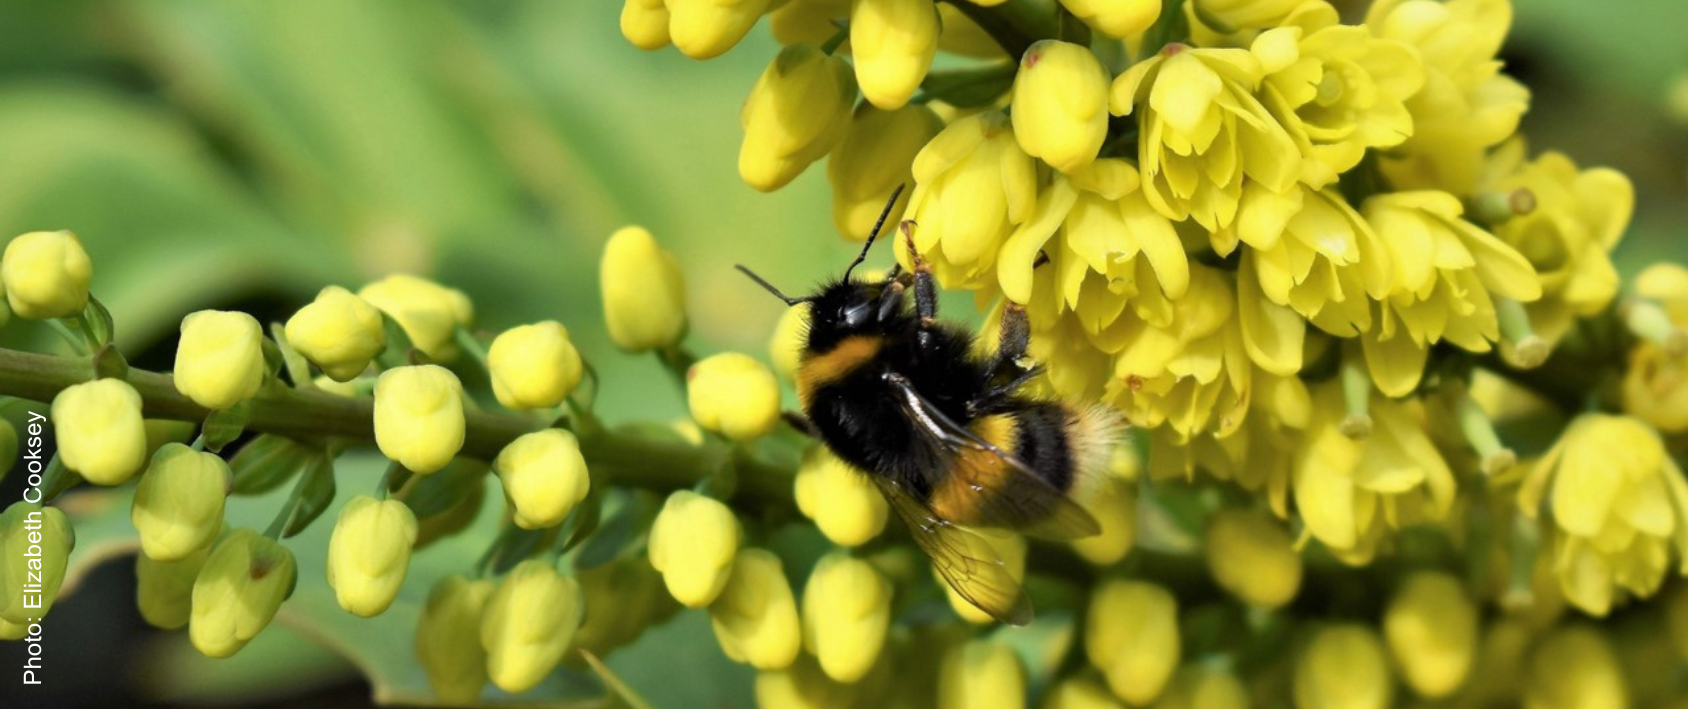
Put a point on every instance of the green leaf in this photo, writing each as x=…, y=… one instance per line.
x=970, y=88
x=316, y=490
x=99, y=321
x=298, y=370
x=223, y=427
x=267, y=461
x=438, y=492
x=630, y=513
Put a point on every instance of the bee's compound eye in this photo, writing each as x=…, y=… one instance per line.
x=856, y=315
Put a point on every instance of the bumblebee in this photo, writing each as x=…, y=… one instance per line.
x=947, y=435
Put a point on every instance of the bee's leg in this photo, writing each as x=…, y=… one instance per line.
x=925, y=286
x=1016, y=335
x=797, y=421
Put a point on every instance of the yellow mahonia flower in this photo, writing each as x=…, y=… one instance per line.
x=1467, y=105
x=1575, y=668
x=544, y=477
x=755, y=615
x=643, y=290
x=1118, y=19
x=844, y=504
x=338, y=332
x=874, y=157
x=1210, y=19
x=785, y=348
x=1198, y=113
x=448, y=642
x=705, y=29
x=178, y=505
x=1343, y=668
x=1060, y=104
x=734, y=395
x=419, y=416
x=981, y=674
x=1338, y=90
x=533, y=366
x=1200, y=687
x=1578, y=218
x=46, y=275
x=369, y=554
x=892, y=43
x=1448, y=273
x=1081, y=692
x=693, y=541
x=220, y=360
x=1258, y=456
x=529, y=622
x=1655, y=386
x=1431, y=628
x=645, y=23
x=794, y=115
x=164, y=589
x=37, y=542
x=846, y=615
x=1131, y=635
x=1619, y=505
x=238, y=591
x=100, y=432
x=428, y=312
x=973, y=186
x=1346, y=488
x=1010, y=548
x=1253, y=557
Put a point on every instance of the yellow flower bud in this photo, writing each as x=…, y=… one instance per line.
x=1200, y=687
x=428, y=312
x=644, y=294
x=37, y=542
x=164, y=589
x=974, y=186
x=1081, y=692
x=338, y=332
x=178, y=505
x=448, y=640
x=528, y=624
x=419, y=416
x=846, y=615
x=1252, y=556
x=1011, y=549
x=692, y=543
x=981, y=674
x=13, y=631
x=785, y=348
x=705, y=29
x=220, y=360
x=755, y=615
x=875, y=156
x=239, y=590
x=46, y=275
x=844, y=504
x=794, y=115
x=645, y=23
x=1114, y=505
x=808, y=21
x=1061, y=104
x=1431, y=626
x=804, y=686
x=892, y=43
x=369, y=554
x=1574, y=668
x=533, y=366
x=1131, y=635
x=100, y=432
x=1343, y=668
x=734, y=395
x=1119, y=19
x=544, y=477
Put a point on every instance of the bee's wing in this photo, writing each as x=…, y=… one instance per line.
x=968, y=562
x=1021, y=499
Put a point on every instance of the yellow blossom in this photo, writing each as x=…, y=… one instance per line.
x=37, y=542
x=1259, y=456
x=705, y=29
x=644, y=293
x=1619, y=506
x=645, y=23
x=1343, y=668
x=973, y=186
x=419, y=416
x=841, y=500
x=1119, y=19
x=846, y=615
x=178, y=505
x=544, y=477
x=981, y=674
x=785, y=348
x=1575, y=668
x=734, y=395
x=794, y=115
x=1431, y=627
x=692, y=542
x=533, y=366
x=1114, y=505
x=1060, y=104
x=755, y=615
x=448, y=643
x=238, y=591
x=100, y=432
x=46, y=275
x=529, y=621
x=1234, y=16
x=220, y=360
x=428, y=312
x=1655, y=387
x=164, y=589
x=1080, y=692
x=892, y=43
x=369, y=554
x=873, y=158
x=1131, y=635
x=1199, y=687
x=338, y=332
x=1253, y=557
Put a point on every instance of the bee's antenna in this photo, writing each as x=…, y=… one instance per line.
x=771, y=289
x=875, y=233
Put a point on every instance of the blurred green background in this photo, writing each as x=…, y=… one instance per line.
x=245, y=154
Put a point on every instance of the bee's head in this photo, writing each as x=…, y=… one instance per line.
x=844, y=308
